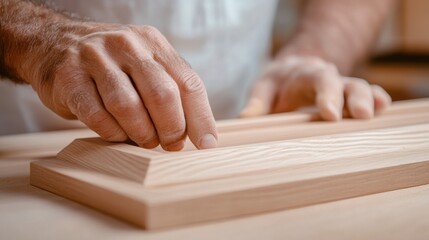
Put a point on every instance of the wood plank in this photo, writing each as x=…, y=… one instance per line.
x=248, y=159
x=171, y=168
x=225, y=198
x=39, y=145
x=281, y=119
x=329, y=178
x=318, y=128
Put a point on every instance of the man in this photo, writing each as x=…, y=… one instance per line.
x=129, y=81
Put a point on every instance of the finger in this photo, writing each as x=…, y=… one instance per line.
x=201, y=126
x=359, y=98
x=328, y=87
x=124, y=103
x=295, y=91
x=162, y=98
x=158, y=90
x=261, y=99
x=85, y=103
x=382, y=99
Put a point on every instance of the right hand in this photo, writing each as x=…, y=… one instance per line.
x=127, y=82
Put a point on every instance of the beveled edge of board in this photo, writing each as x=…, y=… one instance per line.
x=154, y=169
x=184, y=204
x=119, y=159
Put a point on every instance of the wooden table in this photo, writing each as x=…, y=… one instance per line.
x=27, y=212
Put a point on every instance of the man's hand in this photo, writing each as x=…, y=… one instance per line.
x=123, y=82
x=298, y=81
x=128, y=82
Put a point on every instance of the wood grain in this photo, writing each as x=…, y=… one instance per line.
x=39, y=145
x=132, y=162
x=310, y=115
x=121, y=160
x=296, y=162
x=247, y=159
x=176, y=205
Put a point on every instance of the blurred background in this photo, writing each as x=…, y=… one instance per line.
x=400, y=58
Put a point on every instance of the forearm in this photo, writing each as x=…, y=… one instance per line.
x=339, y=31
x=30, y=34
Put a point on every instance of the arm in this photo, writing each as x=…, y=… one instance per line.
x=331, y=37
x=122, y=81
x=339, y=31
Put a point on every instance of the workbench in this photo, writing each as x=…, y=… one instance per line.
x=27, y=212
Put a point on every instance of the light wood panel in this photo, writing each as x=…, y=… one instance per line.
x=283, y=168
x=394, y=215
x=154, y=169
x=291, y=187
x=133, y=163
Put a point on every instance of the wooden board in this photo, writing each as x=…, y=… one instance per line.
x=154, y=189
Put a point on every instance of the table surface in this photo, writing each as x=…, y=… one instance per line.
x=27, y=212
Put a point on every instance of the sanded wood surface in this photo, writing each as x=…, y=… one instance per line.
x=293, y=161
x=382, y=161
x=394, y=215
x=45, y=144
x=156, y=169
x=309, y=115
x=230, y=159
x=25, y=211
x=284, y=126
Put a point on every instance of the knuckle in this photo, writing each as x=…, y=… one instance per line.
x=95, y=117
x=191, y=83
x=358, y=82
x=77, y=100
x=155, y=39
x=80, y=104
x=89, y=51
x=149, y=31
x=109, y=75
x=145, y=138
x=121, y=39
x=162, y=93
x=124, y=106
x=88, y=48
x=147, y=66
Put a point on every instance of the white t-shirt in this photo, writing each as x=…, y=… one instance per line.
x=225, y=41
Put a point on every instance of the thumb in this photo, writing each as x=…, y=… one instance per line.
x=261, y=99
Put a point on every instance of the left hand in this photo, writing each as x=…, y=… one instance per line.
x=298, y=81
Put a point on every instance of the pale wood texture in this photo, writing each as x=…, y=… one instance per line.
x=132, y=162
x=288, y=187
x=31, y=145
x=27, y=212
x=195, y=186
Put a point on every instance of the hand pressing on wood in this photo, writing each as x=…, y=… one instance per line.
x=122, y=81
x=297, y=81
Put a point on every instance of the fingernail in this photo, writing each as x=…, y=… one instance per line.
x=208, y=141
